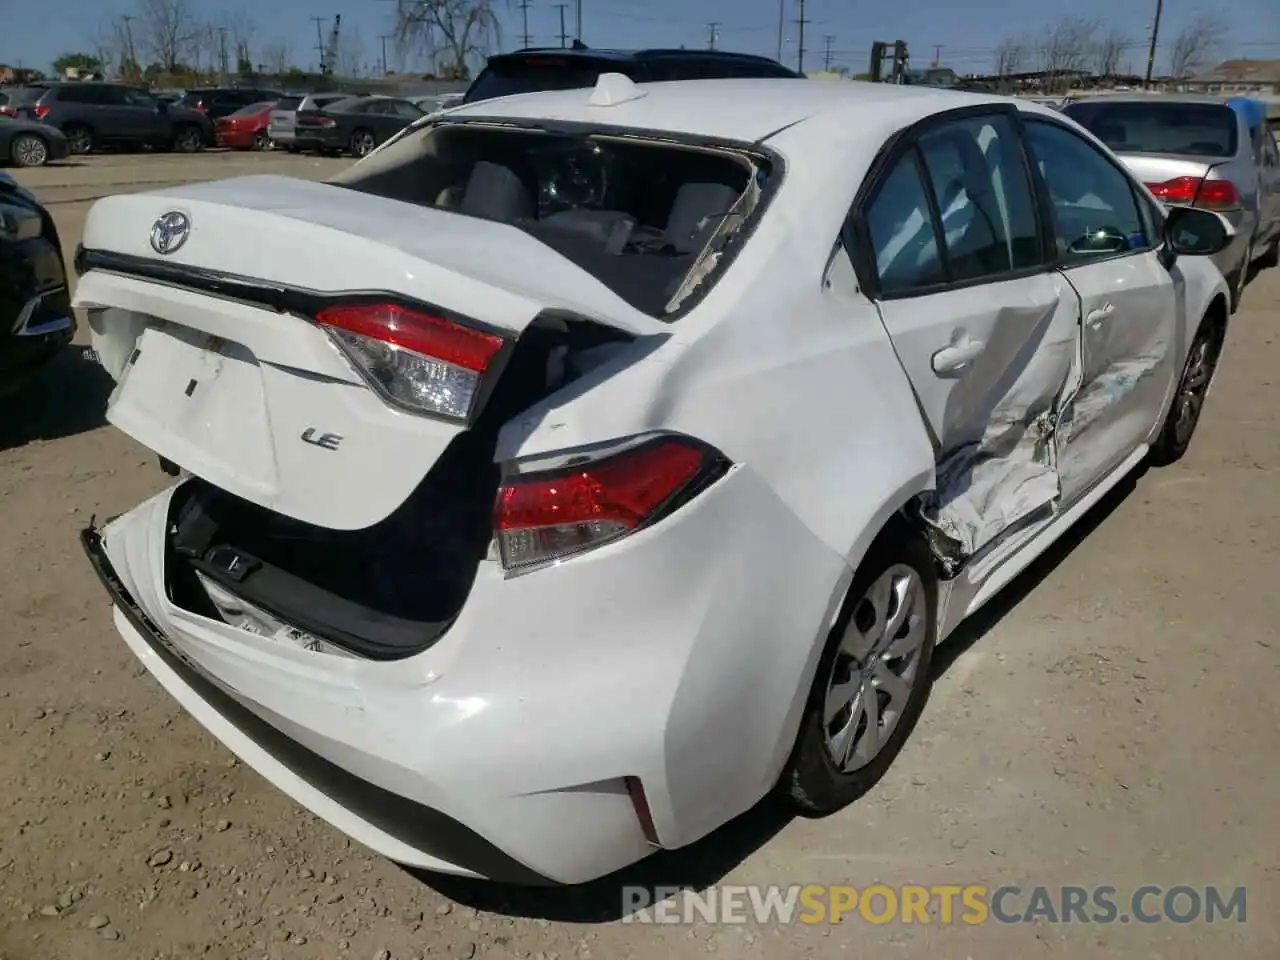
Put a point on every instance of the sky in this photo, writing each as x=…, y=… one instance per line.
x=34, y=32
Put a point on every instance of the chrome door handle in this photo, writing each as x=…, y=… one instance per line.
x=957, y=356
x=1103, y=312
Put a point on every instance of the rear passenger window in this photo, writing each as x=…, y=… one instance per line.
x=1095, y=210
x=901, y=231
x=978, y=176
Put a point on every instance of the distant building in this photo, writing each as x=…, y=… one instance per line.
x=1239, y=76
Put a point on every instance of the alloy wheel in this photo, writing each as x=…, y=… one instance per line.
x=876, y=668
x=1194, y=387
x=362, y=144
x=79, y=140
x=29, y=151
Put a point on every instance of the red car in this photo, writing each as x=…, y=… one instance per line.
x=246, y=129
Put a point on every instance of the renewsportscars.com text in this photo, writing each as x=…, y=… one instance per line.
x=941, y=904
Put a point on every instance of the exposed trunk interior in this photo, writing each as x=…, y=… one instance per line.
x=390, y=590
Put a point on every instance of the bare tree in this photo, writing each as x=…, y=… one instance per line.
x=454, y=33
x=1065, y=46
x=1012, y=55
x=350, y=53
x=1193, y=46
x=112, y=47
x=1108, y=51
x=169, y=26
x=276, y=56
x=241, y=29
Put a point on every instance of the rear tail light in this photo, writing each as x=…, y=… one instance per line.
x=1197, y=192
x=550, y=514
x=41, y=112
x=420, y=361
x=8, y=112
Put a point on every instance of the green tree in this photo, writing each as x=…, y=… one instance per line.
x=83, y=62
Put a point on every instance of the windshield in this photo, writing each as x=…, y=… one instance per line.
x=1179, y=129
x=337, y=106
x=647, y=219
x=529, y=74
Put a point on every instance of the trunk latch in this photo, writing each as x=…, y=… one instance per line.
x=231, y=562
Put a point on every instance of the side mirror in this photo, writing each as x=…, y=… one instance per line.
x=1191, y=232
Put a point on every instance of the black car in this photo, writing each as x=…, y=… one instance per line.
x=25, y=143
x=97, y=114
x=525, y=71
x=218, y=102
x=36, y=320
x=356, y=125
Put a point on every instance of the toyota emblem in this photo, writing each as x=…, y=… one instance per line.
x=170, y=232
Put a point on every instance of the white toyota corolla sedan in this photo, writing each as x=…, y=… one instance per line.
x=582, y=466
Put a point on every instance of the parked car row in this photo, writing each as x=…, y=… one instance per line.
x=1210, y=152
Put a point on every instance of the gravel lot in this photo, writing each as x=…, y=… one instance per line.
x=1113, y=724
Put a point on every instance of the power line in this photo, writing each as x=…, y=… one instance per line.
x=525, y=38
x=712, y=33
x=563, y=36
x=800, y=53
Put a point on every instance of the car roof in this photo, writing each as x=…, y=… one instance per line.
x=747, y=110
x=653, y=53
x=1140, y=97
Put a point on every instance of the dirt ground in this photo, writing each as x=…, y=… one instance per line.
x=1114, y=723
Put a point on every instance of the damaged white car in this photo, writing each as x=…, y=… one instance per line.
x=582, y=466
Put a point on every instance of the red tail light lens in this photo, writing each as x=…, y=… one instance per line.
x=41, y=112
x=554, y=514
x=1196, y=192
x=417, y=360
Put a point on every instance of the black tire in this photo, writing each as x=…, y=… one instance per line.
x=362, y=143
x=1271, y=258
x=813, y=781
x=79, y=138
x=261, y=141
x=1202, y=363
x=188, y=139
x=29, y=150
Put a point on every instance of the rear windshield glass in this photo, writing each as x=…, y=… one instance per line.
x=252, y=109
x=1183, y=129
x=636, y=214
x=536, y=73
x=21, y=96
x=288, y=103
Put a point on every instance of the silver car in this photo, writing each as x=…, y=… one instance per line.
x=282, y=121
x=1200, y=151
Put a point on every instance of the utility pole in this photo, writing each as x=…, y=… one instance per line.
x=937, y=54
x=384, y=38
x=782, y=19
x=800, y=53
x=563, y=36
x=711, y=35
x=319, y=21
x=826, y=54
x=1151, y=54
x=577, y=13
x=525, y=38
x=134, y=67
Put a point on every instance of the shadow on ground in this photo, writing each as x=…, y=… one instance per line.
x=67, y=397
x=706, y=862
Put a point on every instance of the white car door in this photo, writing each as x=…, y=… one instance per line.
x=986, y=330
x=1107, y=251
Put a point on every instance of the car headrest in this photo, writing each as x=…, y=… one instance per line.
x=495, y=192
x=696, y=213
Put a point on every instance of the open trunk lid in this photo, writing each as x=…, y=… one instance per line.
x=222, y=368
